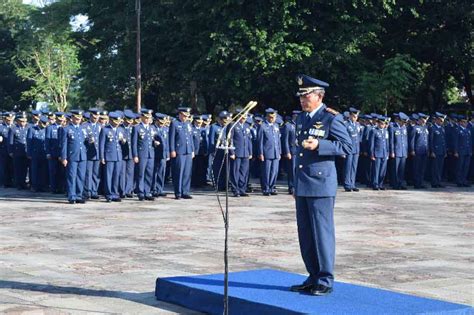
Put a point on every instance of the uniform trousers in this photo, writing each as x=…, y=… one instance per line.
x=76, y=173
x=181, y=169
x=239, y=174
x=316, y=233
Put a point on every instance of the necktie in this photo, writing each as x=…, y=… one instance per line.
x=307, y=119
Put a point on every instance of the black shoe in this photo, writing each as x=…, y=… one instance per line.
x=266, y=194
x=347, y=189
x=149, y=198
x=95, y=197
x=382, y=188
x=235, y=195
x=72, y=202
x=80, y=201
x=376, y=188
x=129, y=195
x=403, y=188
x=320, y=290
x=141, y=198
x=301, y=287
x=355, y=189
x=244, y=195
x=274, y=193
x=162, y=195
x=187, y=197
x=441, y=186
x=108, y=200
x=155, y=194
x=117, y=200
x=177, y=197
x=466, y=185
x=290, y=191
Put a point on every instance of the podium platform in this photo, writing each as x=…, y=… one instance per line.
x=266, y=292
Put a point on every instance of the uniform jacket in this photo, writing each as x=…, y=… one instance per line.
x=378, y=143
x=142, y=141
x=289, y=138
x=398, y=140
x=162, y=151
x=315, y=173
x=419, y=140
x=242, y=141
x=17, y=141
x=110, y=147
x=437, y=140
x=214, y=133
x=4, y=131
x=268, y=141
x=181, y=137
x=354, y=131
x=35, y=143
x=463, y=141
x=52, y=141
x=127, y=146
x=73, y=143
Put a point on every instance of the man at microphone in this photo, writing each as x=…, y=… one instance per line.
x=321, y=136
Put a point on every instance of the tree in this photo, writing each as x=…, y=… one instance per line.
x=52, y=66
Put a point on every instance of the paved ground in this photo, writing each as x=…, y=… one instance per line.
x=57, y=258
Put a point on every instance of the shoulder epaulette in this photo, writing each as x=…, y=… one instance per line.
x=332, y=111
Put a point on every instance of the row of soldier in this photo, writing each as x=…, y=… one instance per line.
x=129, y=153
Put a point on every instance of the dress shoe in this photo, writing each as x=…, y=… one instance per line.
x=117, y=200
x=301, y=287
x=290, y=191
x=403, y=188
x=108, y=200
x=129, y=195
x=441, y=186
x=355, y=189
x=149, y=198
x=95, y=197
x=80, y=201
x=244, y=195
x=177, y=197
x=376, y=188
x=274, y=193
x=141, y=198
x=320, y=290
x=266, y=194
x=162, y=194
x=347, y=189
x=466, y=185
x=72, y=202
x=382, y=188
x=155, y=194
x=187, y=197
x=235, y=195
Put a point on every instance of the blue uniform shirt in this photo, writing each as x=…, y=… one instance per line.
x=17, y=141
x=289, y=138
x=52, y=141
x=437, y=140
x=92, y=143
x=463, y=142
x=162, y=151
x=142, y=141
x=110, y=143
x=35, y=139
x=73, y=143
x=268, y=141
x=354, y=131
x=181, y=138
x=398, y=140
x=378, y=143
x=242, y=141
x=419, y=140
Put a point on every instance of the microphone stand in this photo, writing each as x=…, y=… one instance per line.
x=224, y=143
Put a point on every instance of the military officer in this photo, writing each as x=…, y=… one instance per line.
x=462, y=151
x=92, y=127
x=162, y=154
x=437, y=149
x=398, y=148
x=269, y=151
x=352, y=159
x=35, y=150
x=128, y=166
x=53, y=152
x=379, y=151
x=111, y=139
x=143, y=150
x=200, y=145
x=17, y=149
x=240, y=155
x=217, y=156
x=289, y=148
x=6, y=161
x=74, y=156
x=182, y=153
x=419, y=149
x=321, y=136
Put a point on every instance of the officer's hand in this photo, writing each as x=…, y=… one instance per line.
x=364, y=153
x=310, y=144
x=193, y=155
x=135, y=159
x=48, y=156
x=11, y=154
x=261, y=158
x=288, y=156
x=1, y=139
x=157, y=143
x=412, y=153
x=250, y=157
x=343, y=156
x=372, y=158
x=173, y=154
x=392, y=155
x=102, y=161
x=64, y=162
x=232, y=156
x=456, y=155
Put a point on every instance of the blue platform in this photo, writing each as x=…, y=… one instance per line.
x=266, y=292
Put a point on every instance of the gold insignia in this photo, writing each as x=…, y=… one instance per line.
x=332, y=111
x=299, y=80
x=318, y=125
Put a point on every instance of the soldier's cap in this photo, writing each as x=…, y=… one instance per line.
x=257, y=118
x=205, y=117
x=225, y=114
x=59, y=114
x=403, y=116
x=307, y=84
x=440, y=115
x=115, y=115
x=270, y=111
x=462, y=117
x=288, y=118
x=209, y=116
x=197, y=117
x=381, y=118
x=184, y=110
x=396, y=115
x=354, y=110
x=77, y=112
x=146, y=112
x=45, y=111
x=87, y=115
x=44, y=119
x=68, y=115
x=95, y=111
x=367, y=116
x=50, y=114
x=249, y=120
x=421, y=115
x=120, y=112
x=35, y=112
x=345, y=114
x=9, y=115
x=453, y=116
x=21, y=116
x=160, y=116
x=295, y=112
x=414, y=116
x=279, y=120
x=128, y=114
x=103, y=113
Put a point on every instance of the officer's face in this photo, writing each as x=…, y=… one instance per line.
x=8, y=121
x=271, y=118
x=463, y=123
x=94, y=118
x=35, y=118
x=310, y=101
x=76, y=120
x=115, y=122
x=22, y=122
x=354, y=117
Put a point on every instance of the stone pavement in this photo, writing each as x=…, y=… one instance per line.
x=102, y=258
